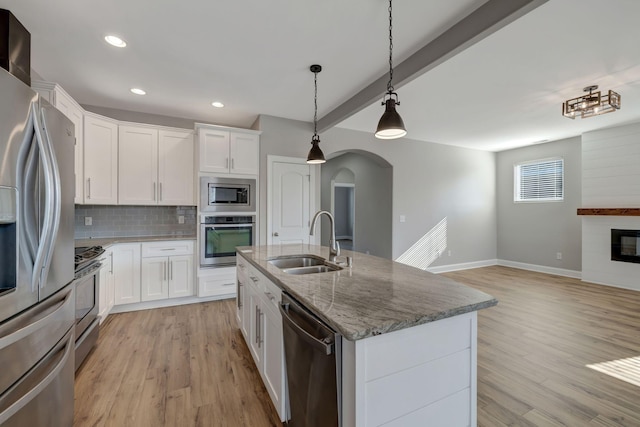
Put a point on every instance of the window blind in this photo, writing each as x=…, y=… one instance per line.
x=539, y=180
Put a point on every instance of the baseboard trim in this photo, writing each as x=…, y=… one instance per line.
x=462, y=266
x=166, y=303
x=541, y=269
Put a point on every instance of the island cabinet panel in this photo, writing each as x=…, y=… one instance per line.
x=404, y=377
x=261, y=324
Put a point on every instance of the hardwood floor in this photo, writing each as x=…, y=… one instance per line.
x=535, y=345
x=189, y=365
x=176, y=366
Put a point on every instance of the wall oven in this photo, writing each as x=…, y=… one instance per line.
x=227, y=194
x=219, y=236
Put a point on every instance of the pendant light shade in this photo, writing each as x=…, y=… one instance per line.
x=390, y=125
x=316, y=156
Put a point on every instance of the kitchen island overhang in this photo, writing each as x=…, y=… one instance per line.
x=409, y=347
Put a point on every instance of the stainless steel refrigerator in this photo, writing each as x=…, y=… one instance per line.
x=37, y=303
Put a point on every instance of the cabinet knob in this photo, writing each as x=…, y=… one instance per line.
x=276, y=234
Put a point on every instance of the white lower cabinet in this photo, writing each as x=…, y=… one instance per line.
x=126, y=273
x=106, y=298
x=261, y=325
x=166, y=276
x=220, y=281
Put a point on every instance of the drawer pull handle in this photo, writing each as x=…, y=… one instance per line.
x=228, y=284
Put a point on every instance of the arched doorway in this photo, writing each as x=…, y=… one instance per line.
x=356, y=187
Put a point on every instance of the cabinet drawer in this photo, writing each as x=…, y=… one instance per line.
x=168, y=248
x=272, y=294
x=221, y=283
x=256, y=279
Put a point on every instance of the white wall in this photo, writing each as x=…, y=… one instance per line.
x=533, y=233
x=611, y=179
x=431, y=183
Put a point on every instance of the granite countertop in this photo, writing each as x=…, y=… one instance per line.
x=374, y=296
x=108, y=241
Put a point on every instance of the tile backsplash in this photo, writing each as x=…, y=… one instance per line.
x=134, y=221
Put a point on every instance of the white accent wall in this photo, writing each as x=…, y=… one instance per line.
x=610, y=179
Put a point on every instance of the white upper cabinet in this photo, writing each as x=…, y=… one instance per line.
x=155, y=166
x=244, y=149
x=137, y=165
x=214, y=151
x=70, y=108
x=175, y=168
x=227, y=151
x=100, y=160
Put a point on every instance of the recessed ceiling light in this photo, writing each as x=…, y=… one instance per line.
x=115, y=41
x=138, y=91
x=217, y=104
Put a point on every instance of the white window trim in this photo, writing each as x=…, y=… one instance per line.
x=516, y=181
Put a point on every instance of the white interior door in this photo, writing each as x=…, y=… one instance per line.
x=290, y=203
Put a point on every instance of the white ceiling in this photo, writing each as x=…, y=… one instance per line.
x=254, y=56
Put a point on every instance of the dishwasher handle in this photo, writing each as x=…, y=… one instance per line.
x=325, y=345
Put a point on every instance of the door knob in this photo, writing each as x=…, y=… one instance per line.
x=275, y=234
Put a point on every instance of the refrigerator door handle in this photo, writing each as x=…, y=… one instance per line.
x=53, y=201
x=27, y=166
x=46, y=227
x=37, y=389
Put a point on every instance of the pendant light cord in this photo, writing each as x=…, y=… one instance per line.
x=389, y=85
x=315, y=105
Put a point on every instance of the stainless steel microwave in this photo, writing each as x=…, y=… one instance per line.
x=227, y=194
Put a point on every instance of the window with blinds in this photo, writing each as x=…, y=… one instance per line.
x=539, y=181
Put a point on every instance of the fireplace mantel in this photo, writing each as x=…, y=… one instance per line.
x=610, y=211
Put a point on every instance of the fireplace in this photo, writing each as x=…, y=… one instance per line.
x=625, y=245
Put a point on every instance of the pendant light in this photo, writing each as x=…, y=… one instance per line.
x=315, y=154
x=390, y=125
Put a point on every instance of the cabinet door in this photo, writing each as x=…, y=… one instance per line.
x=214, y=151
x=246, y=311
x=255, y=338
x=137, y=166
x=154, y=279
x=181, y=276
x=106, y=286
x=103, y=299
x=244, y=153
x=273, y=366
x=70, y=109
x=111, y=295
x=100, y=161
x=175, y=168
x=126, y=273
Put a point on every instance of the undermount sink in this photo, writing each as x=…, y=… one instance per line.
x=296, y=261
x=303, y=264
x=312, y=269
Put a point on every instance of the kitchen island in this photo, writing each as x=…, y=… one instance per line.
x=409, y=337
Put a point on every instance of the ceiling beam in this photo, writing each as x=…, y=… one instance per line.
x=485, y=20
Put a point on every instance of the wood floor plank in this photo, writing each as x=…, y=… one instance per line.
x=189, y=365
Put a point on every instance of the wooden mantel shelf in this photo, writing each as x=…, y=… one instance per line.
x=610, y=211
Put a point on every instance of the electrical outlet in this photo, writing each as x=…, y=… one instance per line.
x=88, y=220
x=559, y=255
x=180, y=219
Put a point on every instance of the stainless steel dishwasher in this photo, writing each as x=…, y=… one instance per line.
x=313, y=361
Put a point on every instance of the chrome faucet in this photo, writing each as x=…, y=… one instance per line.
x=334, y=246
